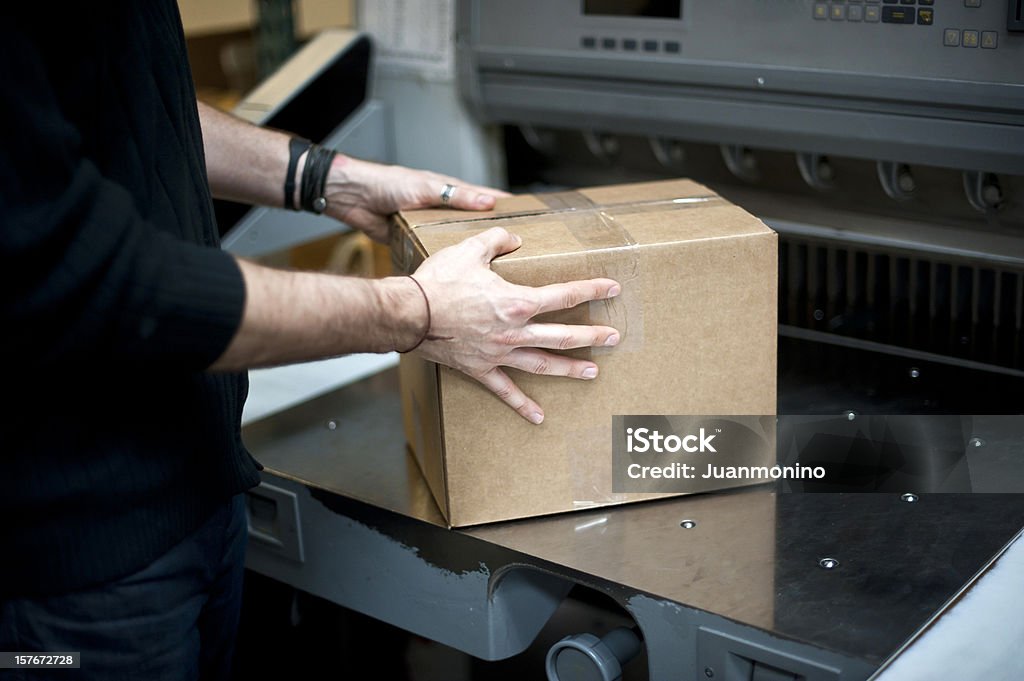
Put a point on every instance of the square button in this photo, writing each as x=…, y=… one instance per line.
x=672, y=47
x=898, y=15
x=926, y=2
x=588, y=42
x=650, y=46
x=872, y=14
x=925, y=17
x=855, y=13
x=951, y=37
x=989, y=40
x=838, y=12
x=972, y=3
x=969, y=39
x=629, y=44
x=608, y=43
x=820, y=10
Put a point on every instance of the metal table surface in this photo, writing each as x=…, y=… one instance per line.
x=748, y=572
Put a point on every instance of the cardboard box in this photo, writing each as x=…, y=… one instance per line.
x=697, y=316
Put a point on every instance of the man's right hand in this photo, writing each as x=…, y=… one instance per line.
x=480, y=322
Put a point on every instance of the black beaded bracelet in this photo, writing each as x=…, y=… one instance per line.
x=314, y=178
x=297, y=146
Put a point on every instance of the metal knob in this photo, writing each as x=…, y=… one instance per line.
x=585, y=657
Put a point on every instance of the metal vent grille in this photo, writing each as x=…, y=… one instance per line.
x=957, y=309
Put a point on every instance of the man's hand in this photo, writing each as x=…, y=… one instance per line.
x=363, y=194
x=480, y=322
x=247, y=163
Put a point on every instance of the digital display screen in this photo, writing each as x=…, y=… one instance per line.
x=658, y=9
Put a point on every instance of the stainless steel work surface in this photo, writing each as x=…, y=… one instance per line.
x=752, y=556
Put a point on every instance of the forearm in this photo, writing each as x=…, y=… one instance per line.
x=244, y=162
x=301, y=316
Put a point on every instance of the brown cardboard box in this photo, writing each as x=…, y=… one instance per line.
x=697, y=316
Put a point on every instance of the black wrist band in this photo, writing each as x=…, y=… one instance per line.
x=296, y=147
x=314, y=178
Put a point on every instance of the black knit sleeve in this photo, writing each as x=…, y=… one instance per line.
x=85, y=277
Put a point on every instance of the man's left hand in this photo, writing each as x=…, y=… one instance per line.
x=363, y=194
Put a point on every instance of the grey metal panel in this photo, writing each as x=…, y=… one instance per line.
x=759, y=74
x=492, y=607
x=778, y=34
x=931, y=141
x=375, y=541
x=967, y=98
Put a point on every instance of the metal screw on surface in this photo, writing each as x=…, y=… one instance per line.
x=828, y=563
x=709, y=672
x=992, y=194
x=915, y=372
x=976, y=442
x=819, y=315
x=909, y=497
x=906, y=182
x=825, y=171
x=851, y=415
x=760, y=81
x=332, y=425
x=688, y=524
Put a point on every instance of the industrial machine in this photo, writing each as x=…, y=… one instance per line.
x=884, y=141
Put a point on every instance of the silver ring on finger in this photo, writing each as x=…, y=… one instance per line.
x=447, y=192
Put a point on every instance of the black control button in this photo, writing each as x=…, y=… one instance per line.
x=608, y=43
x=672, y=47
x=588, y=42
x=890, y=2
x=629, y=44
x=926, y=2
x=650, y=46
x=898, y=15
x=925, y=16
x=906, y=2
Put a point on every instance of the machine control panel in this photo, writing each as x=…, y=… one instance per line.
x=918, y=81
x=889, y=38
x=923, y=13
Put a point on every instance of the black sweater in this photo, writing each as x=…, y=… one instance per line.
x=115, y=299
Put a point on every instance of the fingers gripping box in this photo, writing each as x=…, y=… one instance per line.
x=697, y=317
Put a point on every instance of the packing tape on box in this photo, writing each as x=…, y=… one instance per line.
x=473, y=224
x=591, y=479
x=610, y=253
